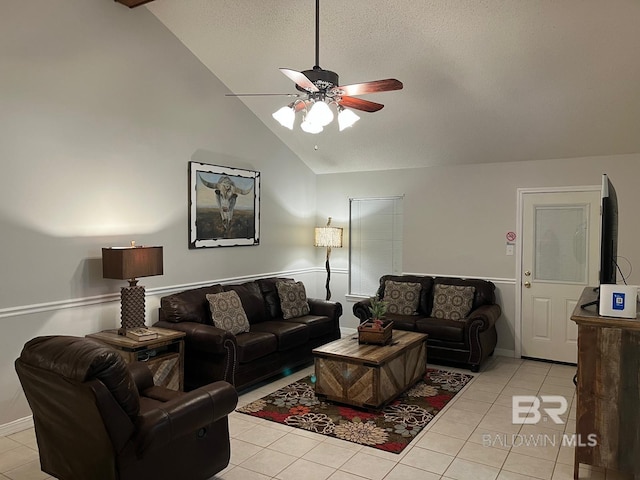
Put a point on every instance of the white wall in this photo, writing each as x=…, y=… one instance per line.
x=102, y=109
x=456, y=218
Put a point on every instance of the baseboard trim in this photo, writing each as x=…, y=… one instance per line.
x=346, y=331
x=16, y=426
x=504, y=352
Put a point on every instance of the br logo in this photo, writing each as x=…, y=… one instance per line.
x=526, y=408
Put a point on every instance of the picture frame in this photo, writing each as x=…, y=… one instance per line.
x=224, y=206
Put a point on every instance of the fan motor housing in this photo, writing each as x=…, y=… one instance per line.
x=323, y=79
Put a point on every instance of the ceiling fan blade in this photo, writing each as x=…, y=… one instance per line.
x=300, y=79
x=359, y=104
x=369, y=87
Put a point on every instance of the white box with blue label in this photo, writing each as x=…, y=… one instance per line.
x=618, y=301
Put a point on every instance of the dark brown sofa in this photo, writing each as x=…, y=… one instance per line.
x=467, y=341
x=272, y=346
x=98, y=418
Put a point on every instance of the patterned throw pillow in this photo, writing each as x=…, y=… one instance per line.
x=227, y=312
x=293, y=299
x=402, y=298
x=452, y=302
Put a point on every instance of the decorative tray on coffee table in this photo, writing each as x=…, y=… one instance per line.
x=376, y=333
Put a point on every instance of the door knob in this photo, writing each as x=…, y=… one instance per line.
x=527, y=273
x=527, y=284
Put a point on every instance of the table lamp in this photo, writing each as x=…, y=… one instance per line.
x=130, y=263
x=329, y=237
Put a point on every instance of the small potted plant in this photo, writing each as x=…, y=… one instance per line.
x=378, y=308
x=377, y=330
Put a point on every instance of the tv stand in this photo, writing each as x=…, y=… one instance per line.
x=608, y=390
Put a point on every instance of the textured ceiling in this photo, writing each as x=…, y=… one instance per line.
x=484, y=81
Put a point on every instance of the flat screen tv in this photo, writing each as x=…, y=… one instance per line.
x=608, y=233
x=608, y=236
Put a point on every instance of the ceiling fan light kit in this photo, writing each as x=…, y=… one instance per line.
x=320, y=114
x=311, y=127
x=286, y=116
x=321, y=90
x=346, y=118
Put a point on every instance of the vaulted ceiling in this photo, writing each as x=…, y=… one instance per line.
x=484, y=80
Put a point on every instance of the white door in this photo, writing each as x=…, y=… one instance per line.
x=560, y=256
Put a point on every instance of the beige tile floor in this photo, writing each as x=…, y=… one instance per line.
x=472, y=438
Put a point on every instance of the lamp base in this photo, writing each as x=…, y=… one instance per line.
x=328, y=268
x=131, y=308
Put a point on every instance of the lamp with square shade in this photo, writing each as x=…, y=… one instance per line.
x=131, y=263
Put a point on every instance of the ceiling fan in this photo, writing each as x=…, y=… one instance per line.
x=320, y=88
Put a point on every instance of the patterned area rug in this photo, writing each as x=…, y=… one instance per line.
x=391, y=429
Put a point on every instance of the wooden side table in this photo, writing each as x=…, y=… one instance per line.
x=608, y=390
x=163, y=355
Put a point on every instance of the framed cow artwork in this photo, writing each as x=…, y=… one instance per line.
x=224, y=206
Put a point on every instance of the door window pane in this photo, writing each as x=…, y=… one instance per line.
x=561, y=243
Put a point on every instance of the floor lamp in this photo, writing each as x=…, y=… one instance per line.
x=330, y=237
x=130, y=263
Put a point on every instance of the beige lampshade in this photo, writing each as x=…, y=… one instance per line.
x=328, y=237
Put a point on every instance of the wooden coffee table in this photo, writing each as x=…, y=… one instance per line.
x=369, y=376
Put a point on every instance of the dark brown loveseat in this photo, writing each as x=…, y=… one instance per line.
x=469, y=340
x=272, y=345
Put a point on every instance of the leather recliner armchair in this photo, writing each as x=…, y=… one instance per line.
x=97, y=417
